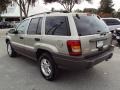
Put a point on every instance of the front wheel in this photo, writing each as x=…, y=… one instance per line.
x=48, y=67
x=10, y=50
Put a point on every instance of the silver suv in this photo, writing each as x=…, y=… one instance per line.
x=61, y=40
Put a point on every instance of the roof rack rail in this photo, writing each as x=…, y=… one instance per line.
x=39, y=14
x=63, y=11
x=49, y=13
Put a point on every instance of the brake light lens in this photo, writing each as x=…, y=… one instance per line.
x=74, y=47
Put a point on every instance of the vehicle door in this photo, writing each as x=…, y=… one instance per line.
x=33, y=36
x=57, y=33
x=18, y=39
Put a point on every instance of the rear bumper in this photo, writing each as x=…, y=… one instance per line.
x=82, y=62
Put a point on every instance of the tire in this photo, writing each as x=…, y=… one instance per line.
x=47, y=66
x=10, y=50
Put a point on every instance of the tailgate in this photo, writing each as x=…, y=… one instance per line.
x=93, y=33
x=94, y=43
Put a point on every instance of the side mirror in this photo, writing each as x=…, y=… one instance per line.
x=13, y=31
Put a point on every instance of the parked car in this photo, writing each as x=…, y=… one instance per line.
x=1, y=24
x=5, y=25
x=113, y=23
x=61, y=40
x=117, y=34
x=16, y=24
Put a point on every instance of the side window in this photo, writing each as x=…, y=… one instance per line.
x=57, y=25
x=39, y=26
x=23, y=27
x=33, y=26
x=115, y=22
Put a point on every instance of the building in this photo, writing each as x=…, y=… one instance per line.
x=12, y=13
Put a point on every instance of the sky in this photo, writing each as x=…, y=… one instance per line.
x=81, y=6
x=41, y=7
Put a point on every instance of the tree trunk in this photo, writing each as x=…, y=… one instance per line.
x=24, y=10
x=25, y=14
x=20, y=10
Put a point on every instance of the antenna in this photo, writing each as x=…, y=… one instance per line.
x=40, y=13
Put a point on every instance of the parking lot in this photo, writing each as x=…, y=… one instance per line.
x=21, y=73
x=3, y=32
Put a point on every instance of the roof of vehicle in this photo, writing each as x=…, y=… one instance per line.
x=111, y=18
x=59, y=14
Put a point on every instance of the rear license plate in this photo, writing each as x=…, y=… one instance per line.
x=100, y=44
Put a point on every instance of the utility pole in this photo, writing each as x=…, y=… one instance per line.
x=20, y=11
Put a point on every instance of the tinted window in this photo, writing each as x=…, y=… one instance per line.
x=112, y=21
x=88, y=25
x=33, y=26
x=22, y=27
x=39, y=26
x=57, y=25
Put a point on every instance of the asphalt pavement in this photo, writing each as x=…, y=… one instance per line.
x=21, y=73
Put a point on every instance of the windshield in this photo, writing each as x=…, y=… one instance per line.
x=88, y=25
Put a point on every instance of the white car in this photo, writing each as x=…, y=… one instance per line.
x=113, y=23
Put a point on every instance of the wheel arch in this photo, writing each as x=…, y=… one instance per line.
x=41, y=51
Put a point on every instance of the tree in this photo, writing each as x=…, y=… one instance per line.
x=3, y=5
x=106, y=6
x=78, y=11
x=24, y=5
x=67, y=4
x=118, y=15
x=90, y=10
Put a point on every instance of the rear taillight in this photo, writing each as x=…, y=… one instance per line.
x=74, y=47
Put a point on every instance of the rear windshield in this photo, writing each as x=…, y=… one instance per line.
x=89, y=25
x=110, y=22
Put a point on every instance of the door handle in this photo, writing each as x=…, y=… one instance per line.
x=37, y=39
x=21, y=38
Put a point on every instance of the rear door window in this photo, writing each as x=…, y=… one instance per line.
x=33, y=26
x=57, y=25
x=88, y=25
x=39, y=25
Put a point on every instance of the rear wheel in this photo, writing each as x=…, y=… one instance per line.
x=48, y=67
x=10, y=50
